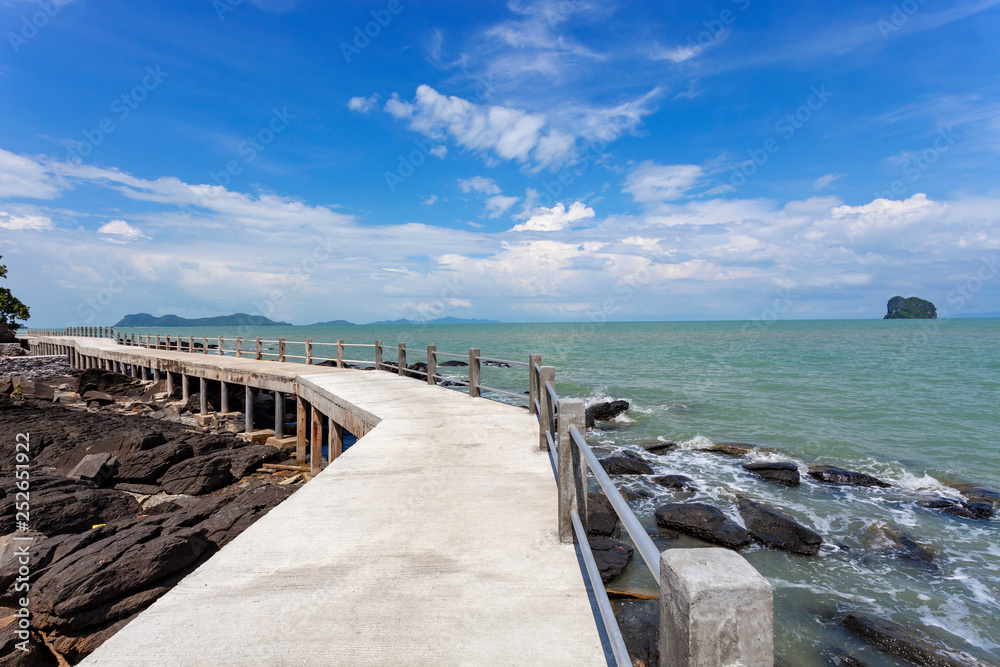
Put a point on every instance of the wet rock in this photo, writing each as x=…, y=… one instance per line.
x=681, y=482
x=835, y=475
x=635, y=455
x=704, y=522
x=611, y=556
x=978, y=495
x=784, y=473
x=453, y=362
x=639, y=622
x=775, y=528
x=734, y=449
x=660, y=447
x=149, y=465
x=635, y=493
x=625, y=465
x=905, y=643
x=892, y=541
x=602, y=520
x=835, y=657
x=980, y=510
x=605, y=411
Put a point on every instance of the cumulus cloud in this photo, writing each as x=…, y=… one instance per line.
x=499, y=204
x=24, y=222
x=120, y=231
x=651, y=182
x=555, y=218
x=21, y=176
x=363, y=104
x=480, y=184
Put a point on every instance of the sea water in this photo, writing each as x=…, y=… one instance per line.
x=913, y=403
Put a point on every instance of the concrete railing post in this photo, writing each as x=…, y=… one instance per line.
x=166, y=345
x=378, y=355
x=191, y=344
x=533, y=360
x=316, y=443
x=157, y=341
x=474, y=371
x=260, y=349
x=248, y=409
x=222, y=351
x=571, y=413
x=279, y=415
x=401, y=359
x=281, y=350
x=204, y=344
x=715, y=609
x=239, y=347
x=340, y=353
x=309, y=351
x=300, y=431
x=547, y=376
x=432, y=364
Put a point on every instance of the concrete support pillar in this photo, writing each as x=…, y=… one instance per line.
x=316, y=444
x=223, y=396
x=203, y=389
x=156, y=374
x=300, y=431
x=170, y=383
x=335, y=441
x=145, y=372
x=547, y=376
x=279, y=414
x=248, y=410
x=185, y=387
x=715, y=609
x=474, y=372
x=135, y=370
x=572, y=476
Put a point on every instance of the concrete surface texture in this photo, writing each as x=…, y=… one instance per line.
x=432, y=541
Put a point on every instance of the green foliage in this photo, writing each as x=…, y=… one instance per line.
x=11, y=308
x=18, y=391
x=910, y=309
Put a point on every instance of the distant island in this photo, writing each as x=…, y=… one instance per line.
x=234, y=320
x=440, y=320
x=334, y=323
x=910, y=309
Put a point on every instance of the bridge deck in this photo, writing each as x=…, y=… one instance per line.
x=431, y=541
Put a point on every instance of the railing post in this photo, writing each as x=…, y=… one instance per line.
x=401, y=359
x=204, y=344
x=378, y=355
x=166, y=345
x=157, y=341
x=309, y=351
x=191, y=344
x=474, y=372
x=260, y=349
x=432, y=364
x=340, y=353
x=571, y=413
x=715, y=608
x=533, y=360
x=300, y=431
x=281, y=350
x=546, y=376
x=221, y=351
x=239, y=347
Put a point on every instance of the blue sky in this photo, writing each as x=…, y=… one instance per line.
x=521, y=161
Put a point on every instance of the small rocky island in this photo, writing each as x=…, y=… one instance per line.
x=910, y=309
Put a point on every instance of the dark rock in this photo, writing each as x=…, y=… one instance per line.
x=624, y=465
x=60, y=505
x=149, y=465
x=892, y=541
x=141, y=489
x=905, y=643
x=976, y=494
x=913, y=308
x=453, y=362
x=605, y=411
x=775, y=528
x=36, y=655
x=98, y=397
x=674, y=481
x=635, y=493
x=97, y=469
x=639, y=622
x=836, y=657
x=96, y=379
x=6, y=335
x=635, y=455
x=734, y=449
x=246, y=460
x=602, y=520
x=660, y=447
x=784, y=473
x=704, y=522
x=835, y=475
x=201, y=474
x=610, y=555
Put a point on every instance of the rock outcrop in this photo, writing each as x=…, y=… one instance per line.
x=625, y=465
x=605, y=411
x=774, y=528
x=835, y=475
x=910, y=309
x=704, y=522
x=780, y=472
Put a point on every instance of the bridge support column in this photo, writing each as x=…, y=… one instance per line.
x=300, y=431
x=156, y=374
x=316, y=445
x=203, y=390
x=248, y=419
x=185, y=387
x=279, y=415
x=223, y=396
x=335, y=441
x=170, y=383
x=135, y=370
x=145, y=372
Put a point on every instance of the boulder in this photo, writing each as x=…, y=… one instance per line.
x=905, y=643
x=734, y=449
x=835, y=475
x=246, y=460
x=98, y=397
x=704, y=522
x=660, y=447
x=611, y=556
x=605, y=411
x=98, y=469
x=602, y=520
x=198, y=475
x=681, y=482
x=60, y=505
x=781, y=472
x=453, y=362
x=625, y=465
x=150, y=464
x=775, y=528
x=886, y=539
x=96, y=379
x=977, y=494
x=639, y=622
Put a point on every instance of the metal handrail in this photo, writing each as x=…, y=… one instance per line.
x=444, y=354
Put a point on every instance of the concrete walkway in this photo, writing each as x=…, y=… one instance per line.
x=432, y=541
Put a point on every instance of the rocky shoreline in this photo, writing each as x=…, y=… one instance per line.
x=128, y=494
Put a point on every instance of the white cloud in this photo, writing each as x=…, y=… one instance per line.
x=363, y=104
x=555, y=218
x=430, y=201
x=17, y=222
x=439, y=151
x=824, y=181
x=21, y=176
x=499, y=204
x=677, y=54
x=120, y=232
x=651, y=182
x=479, y=184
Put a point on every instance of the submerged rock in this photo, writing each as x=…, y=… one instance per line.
x=660, y=447
x=601, y=517
x=905, y=643
x=611, y=556
x=734, y=449
x=835, y=475
x=894, y=542
x=704, y=522
x=625, y=465
x=780, y=472
x=674, y=482
x=605, y=411
x=639, y=622
x=775, y=528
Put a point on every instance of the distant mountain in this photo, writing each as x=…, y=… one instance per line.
x=334, y=323
x=440, y=320
x=910, y=309
x=235, y=320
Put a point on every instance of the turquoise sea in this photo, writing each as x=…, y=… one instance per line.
x=914, y=403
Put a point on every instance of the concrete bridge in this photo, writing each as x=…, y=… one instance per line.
x=442, y=537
